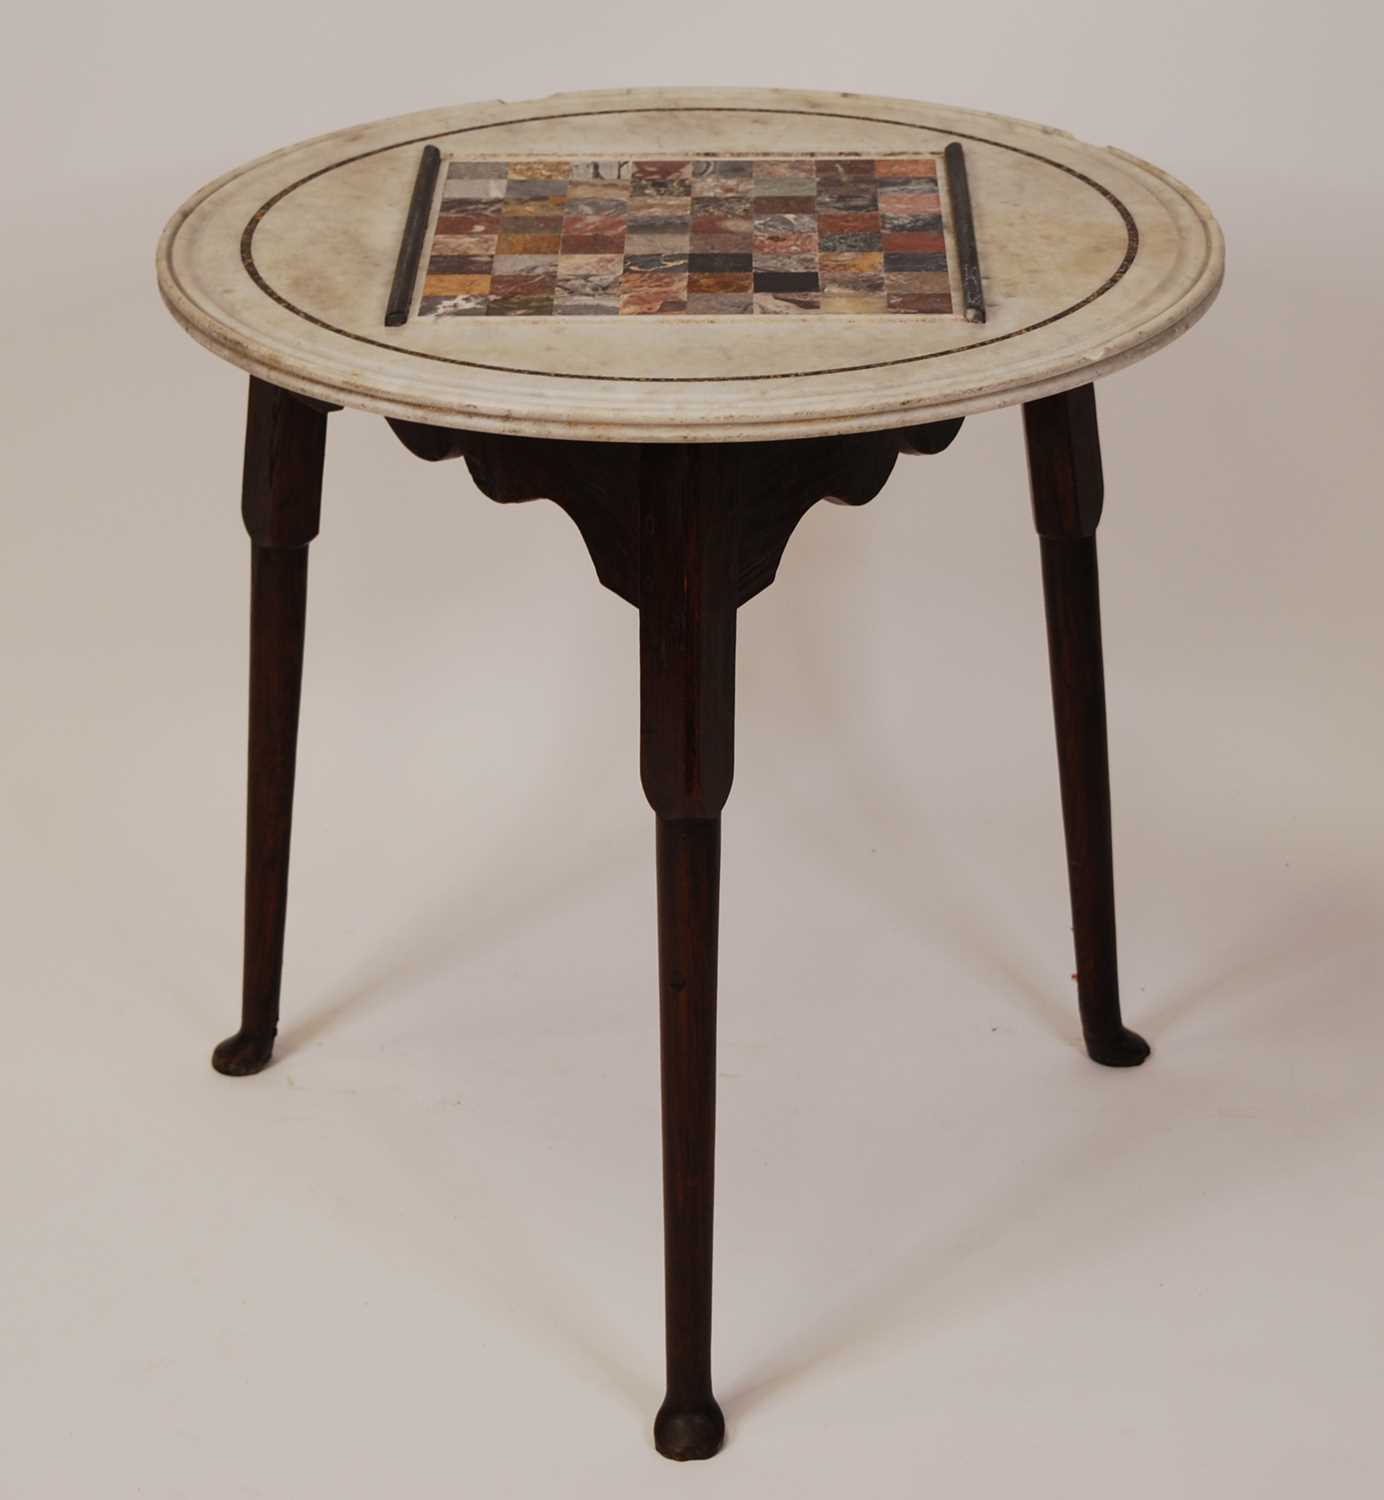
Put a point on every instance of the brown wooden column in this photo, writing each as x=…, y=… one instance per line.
x=688, y=549
x=285, y=442
x=1068, y=493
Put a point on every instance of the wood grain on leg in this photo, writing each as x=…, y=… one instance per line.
x=1068, y=495
x=285, y=441
x=689, y=518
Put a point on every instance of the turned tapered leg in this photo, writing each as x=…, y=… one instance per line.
x=690, y=1424
x=1068, y=494
x=688, y=524
x=285, y=440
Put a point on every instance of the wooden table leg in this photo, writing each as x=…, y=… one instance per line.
x=285, y=440
x=1068, y=494
x=689, y=517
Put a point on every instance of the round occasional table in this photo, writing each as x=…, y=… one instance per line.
x=685, y=316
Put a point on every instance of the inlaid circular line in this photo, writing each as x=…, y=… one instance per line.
x=247, y=239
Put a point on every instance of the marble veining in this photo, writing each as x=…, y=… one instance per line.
x=1092, y=259
x=700, y=236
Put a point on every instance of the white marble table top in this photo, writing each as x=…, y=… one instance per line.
x=1089, y=259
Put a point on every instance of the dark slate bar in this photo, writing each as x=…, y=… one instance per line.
x=411, y=245
x=964, y=233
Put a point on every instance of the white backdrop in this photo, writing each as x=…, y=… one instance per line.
x=420, y=1255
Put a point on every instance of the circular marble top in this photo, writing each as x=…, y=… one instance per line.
x=689, y=264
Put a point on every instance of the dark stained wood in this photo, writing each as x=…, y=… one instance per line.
x=285, y=441
x=1064, y=468
x=964, y=234
x=690, y=507
x=594, y=483
x=783, y=481
x=689, y=524
x=1067, y=487
x=411, y=242
x=431, y=444
x=689, y=1423
x=281, y=486
x=597, y=485
x=930, y=437
x=686, y=533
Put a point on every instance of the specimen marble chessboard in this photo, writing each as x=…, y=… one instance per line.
x=689, y=264
x=705, y=236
